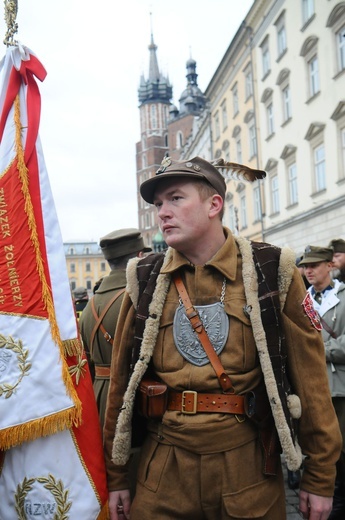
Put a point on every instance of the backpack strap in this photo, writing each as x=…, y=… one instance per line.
x=148, y=269
x=266, y=259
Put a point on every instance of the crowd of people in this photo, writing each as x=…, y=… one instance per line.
x=213, y=358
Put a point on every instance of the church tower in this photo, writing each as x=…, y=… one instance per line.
x=155, y=96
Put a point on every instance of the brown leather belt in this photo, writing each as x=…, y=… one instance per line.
x=102, y=372
x=190, y=402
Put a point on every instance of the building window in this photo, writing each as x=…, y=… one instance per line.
x=153, y=117
x=243, y=209
x=239, y=149
x=286, y=103
x=71, y=251
x=320, y=168
x=281, y=35
x=248, y=81
x=103, y=267
x=309, y=53
x=179, y=140
x=341, y=48
x=342, y=140
x=292, y=181
x=88, y=285
x=275, y=194
x=87, y=251
x=73, y=285
x=216, y=126
x=314, y=85
x=88, y=267
x=270, y=119
x=72, y=268
x=232, y=218
x=265, y=55
x=235, y=103
x=226, y=150
x=257, y=204
x=307, y=10
x=224, y=115
x=252, y=140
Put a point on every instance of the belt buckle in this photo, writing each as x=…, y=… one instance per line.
x=183, y=404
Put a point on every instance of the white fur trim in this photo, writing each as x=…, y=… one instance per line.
x=292, y=452
x=123, y=432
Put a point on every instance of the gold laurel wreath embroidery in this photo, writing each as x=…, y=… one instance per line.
x=78, y=370
x=24, y=367
x=51, y=484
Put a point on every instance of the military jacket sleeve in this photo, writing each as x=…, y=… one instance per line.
x=117, y=475
x=319, y=433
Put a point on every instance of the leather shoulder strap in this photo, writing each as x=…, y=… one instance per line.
x=328, y=328
x=99, y=319
x=198, y=327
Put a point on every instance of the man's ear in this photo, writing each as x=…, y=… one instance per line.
x=216, y=205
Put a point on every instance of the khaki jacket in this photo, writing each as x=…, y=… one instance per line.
x=319, y=434
x=101, y=352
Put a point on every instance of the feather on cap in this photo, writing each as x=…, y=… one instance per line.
x=238, y=171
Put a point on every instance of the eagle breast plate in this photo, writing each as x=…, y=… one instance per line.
x=216, y=324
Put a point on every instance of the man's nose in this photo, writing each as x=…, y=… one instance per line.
x=163, y=210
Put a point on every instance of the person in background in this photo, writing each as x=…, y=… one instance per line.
x=301, y=270
x=80, y=297
x=338, y=247
x=202, y=456
x=329, y=301
x=99, y=318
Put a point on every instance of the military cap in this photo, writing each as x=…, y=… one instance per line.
x=196, y=168
x=80, y=293
x=314, y=254
x=122, y=242
x=338, y=245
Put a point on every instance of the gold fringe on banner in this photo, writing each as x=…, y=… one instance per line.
x=104, y=514
x=46, y=292
x=42, y=427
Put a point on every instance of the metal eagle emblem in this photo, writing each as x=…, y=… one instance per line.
x=216, y=324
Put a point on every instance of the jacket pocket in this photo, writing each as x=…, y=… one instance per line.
x=153, y=460
x=253, y=501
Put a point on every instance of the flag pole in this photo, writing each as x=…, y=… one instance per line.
x=11, y=10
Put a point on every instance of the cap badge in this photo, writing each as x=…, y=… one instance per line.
x=164, y=165
x=307, y=249
x=194, y=167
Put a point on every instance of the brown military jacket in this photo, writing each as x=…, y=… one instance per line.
x=101, y=352
x=319, y=434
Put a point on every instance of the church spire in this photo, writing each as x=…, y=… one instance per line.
x=157, y=87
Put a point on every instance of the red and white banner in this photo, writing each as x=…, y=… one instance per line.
x=49, y=426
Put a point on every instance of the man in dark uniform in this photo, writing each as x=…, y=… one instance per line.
x=99, y=318
x=81, y=298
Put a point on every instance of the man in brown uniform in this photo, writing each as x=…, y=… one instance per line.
x=99, y=318
x=203, y=459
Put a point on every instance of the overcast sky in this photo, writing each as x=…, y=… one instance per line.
x=94, y=53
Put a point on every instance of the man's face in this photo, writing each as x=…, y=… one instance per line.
x=339, y=260
x=318, y=275
x=183, y=216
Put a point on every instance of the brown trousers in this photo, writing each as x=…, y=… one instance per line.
x=175, y=484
